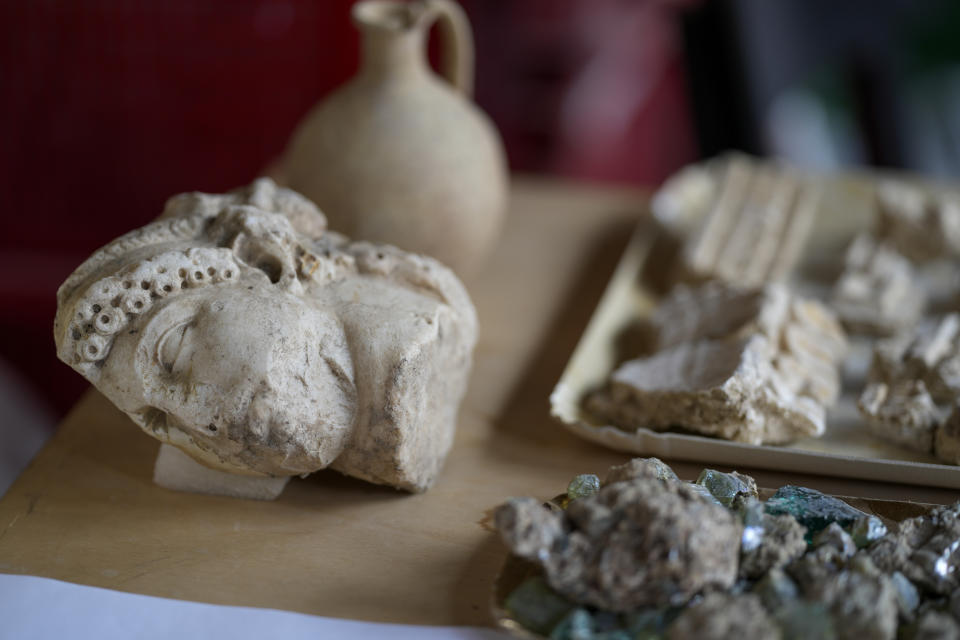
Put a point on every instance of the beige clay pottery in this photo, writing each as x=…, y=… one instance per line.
x=400, y=155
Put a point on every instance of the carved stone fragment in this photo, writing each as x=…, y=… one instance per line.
x=878, y=292
x=238, y=330
x=757, y=228
x=752, y=365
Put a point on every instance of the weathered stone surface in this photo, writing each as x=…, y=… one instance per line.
x=946, y=443
x=636, y=543
x=837, y=538
x=717, y=310
x=913, y=383
x=727, y=389
x=641, y=468
x=863, y=606
x=752, y=365
x=776, y=589
x=756, y=230
x=878, y=293
x=925, y=549
x=240, y=331
x=721, y=616
x=805, y=339
x=902, y=412
x=867, y=530
x=816, y=566
x=933, y=625
x=921, y=224
x=781, y=543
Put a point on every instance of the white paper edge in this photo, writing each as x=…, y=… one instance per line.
x=35, y=608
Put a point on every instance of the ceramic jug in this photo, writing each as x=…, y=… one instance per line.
x=400, y=155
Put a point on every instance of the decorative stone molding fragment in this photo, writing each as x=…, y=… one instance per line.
x=237, y=329
x=756, y=229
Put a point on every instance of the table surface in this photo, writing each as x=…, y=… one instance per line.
x=86, y=510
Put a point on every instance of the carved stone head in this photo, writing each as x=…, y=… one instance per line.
x=238, y=329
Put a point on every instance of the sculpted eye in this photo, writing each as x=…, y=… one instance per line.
x=171, y=343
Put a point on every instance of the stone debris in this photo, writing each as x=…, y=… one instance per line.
x=921, y=225
x=913, y=383
x=636, y=543
x=878, y=292
x=934, y=625
x=757, y=227
x=834, y=536
x=863, y=606
x=751, y=365
x=781, y=542
x=720, y=616
x=925, y=549
x=626, y=563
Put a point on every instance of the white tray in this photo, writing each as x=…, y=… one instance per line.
x=847, y=449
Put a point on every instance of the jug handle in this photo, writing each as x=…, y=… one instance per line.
x=456, y=43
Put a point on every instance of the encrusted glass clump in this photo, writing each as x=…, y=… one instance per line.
x=644, y=556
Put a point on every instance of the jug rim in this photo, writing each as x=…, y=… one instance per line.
x=388, y=15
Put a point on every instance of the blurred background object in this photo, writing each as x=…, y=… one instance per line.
x=110, y=106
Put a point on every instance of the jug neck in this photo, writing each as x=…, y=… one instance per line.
x=393, y=55
x=392, y=37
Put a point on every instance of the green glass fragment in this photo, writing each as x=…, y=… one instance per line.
x=703, y=491
x=576, y=625
x=804, y=620
x=650, y=623
x=582, y=486
x=812, y=509
x=536, y=606
x=867, y=530
x=580, y=624
x=725, y=487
